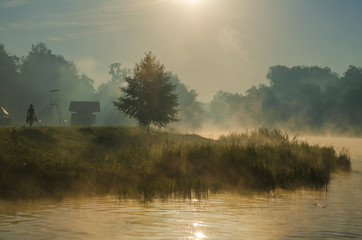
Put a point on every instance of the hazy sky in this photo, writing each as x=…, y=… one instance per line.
x=210, y=44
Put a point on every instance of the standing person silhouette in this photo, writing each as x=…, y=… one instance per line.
x=30, y=116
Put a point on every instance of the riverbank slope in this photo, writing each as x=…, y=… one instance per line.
x=42, y=162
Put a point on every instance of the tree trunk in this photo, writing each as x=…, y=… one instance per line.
x=148, y=129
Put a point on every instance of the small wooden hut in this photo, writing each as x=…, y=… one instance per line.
x=83, y=112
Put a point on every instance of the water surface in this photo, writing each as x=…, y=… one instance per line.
x=334, y=213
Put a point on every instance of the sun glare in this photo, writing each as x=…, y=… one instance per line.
x=199, y=235
x=192, y=1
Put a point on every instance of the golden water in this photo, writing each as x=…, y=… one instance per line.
x=335, y=213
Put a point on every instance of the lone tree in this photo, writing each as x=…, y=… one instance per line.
x=148, y=96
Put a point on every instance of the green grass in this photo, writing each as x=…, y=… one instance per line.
x=43, y=162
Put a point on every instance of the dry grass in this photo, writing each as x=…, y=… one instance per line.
x=72, y=161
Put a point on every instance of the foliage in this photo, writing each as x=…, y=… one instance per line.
x=190, y=114
x=31, y=79
x=41, y=71
x=9, y=77
x=109, y=91
x=148, y=96
x=299, y=98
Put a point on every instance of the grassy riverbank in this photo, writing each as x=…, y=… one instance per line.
x=42, y=162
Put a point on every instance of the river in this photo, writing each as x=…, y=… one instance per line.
x=331, y=214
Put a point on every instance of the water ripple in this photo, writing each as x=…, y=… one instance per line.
x=335, y=214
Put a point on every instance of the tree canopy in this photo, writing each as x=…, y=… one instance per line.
x=149, y=95
x=190, y=112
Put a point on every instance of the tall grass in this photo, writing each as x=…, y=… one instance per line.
x=125, y=161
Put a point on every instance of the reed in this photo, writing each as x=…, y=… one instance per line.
x=126, y=161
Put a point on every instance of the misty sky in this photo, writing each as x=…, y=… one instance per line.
x=210, y=44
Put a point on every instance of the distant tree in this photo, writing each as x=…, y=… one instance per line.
x=190, y=113
x=42, y=70
x=299, y=94
x=350, y=88
x=9, y=77
x=224, y=106
x=85, y=85
x=115, y=71
x=148, y=96
x=109, y=91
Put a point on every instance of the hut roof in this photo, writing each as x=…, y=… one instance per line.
x=84, y=106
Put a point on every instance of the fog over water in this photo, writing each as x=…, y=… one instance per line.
x=335, y=213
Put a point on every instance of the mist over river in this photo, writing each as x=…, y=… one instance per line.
x=333, y=213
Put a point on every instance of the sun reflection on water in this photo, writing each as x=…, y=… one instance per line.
x=196, y=224
x=199, y=235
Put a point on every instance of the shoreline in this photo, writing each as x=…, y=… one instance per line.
x=42, y=162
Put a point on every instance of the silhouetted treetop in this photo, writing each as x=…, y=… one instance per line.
x=149, y=95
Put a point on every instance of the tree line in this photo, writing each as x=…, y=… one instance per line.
x=28, y=80
x=298, y=98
